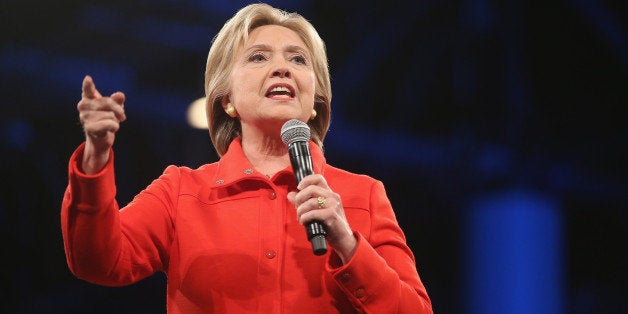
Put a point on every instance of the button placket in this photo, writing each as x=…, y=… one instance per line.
x=270, y=243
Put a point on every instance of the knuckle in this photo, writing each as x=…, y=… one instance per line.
x=82, y=105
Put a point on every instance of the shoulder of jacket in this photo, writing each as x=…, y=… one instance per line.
x=336, y=174
x=183, y=172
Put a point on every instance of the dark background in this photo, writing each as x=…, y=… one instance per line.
x=449, y=103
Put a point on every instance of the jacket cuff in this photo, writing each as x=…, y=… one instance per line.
x=361, y=277
x=89, y=192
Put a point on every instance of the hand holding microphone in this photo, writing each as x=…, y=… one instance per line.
x=318, y=207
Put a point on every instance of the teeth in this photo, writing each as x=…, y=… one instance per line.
x=280, y=89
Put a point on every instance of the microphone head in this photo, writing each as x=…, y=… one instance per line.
x=295, y=131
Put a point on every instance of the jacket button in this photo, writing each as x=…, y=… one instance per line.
x=345, y=277
x=359, y=293
x=270, y=254
x=272, y=195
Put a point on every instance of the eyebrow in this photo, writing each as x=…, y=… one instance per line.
x=289, y=48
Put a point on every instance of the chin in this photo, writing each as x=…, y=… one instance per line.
x=285, y=116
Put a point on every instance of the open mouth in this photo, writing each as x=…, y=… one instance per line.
x=280, y=91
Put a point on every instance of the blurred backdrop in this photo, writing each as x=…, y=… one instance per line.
x=498, y=128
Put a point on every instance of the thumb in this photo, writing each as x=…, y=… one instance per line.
x=89, y=88
x=291, y=197
x=118, y=97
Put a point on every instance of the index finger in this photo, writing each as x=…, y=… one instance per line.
x=89, y=88
x=312, y=179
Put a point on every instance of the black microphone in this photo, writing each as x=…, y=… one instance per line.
x=296, y=134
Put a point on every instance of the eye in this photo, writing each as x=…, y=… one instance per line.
x=257, y=57
x=299, y=59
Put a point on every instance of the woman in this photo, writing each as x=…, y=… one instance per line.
x=229, y=235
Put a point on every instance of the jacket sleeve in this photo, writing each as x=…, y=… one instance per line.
x=381, y=277
x=109, y=246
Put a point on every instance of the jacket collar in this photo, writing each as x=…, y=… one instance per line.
x=233, y=166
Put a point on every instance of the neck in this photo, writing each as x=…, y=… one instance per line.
x=267, y=154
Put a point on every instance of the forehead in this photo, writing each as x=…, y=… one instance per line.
x=274, y=35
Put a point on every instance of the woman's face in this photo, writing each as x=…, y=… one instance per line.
x=272, y=80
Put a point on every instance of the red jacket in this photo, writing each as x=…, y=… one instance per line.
x=229, y=241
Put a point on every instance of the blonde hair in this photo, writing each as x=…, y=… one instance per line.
x=222, y=128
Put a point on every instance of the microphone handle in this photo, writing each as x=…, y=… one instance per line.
x=301, y=161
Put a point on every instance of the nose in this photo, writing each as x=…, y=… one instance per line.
x=281, y=72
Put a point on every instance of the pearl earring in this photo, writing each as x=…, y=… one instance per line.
x=314, y=113
x=231, y=111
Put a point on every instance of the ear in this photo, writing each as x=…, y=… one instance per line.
x=225, y=101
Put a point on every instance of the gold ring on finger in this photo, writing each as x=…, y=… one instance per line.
x=321, y=202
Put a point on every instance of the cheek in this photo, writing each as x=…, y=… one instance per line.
x=241, y=87
x=313, y=81
x=309, y=85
